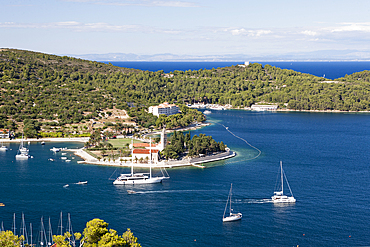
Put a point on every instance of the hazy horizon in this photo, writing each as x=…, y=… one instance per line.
x=268, y=30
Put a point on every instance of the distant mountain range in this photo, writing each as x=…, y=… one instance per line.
x=325, y=55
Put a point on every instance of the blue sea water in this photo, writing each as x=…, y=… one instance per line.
x=331, y=70
x=325, y=157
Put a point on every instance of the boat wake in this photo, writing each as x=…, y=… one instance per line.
x=254, y=201
x=167, y=191
x=255, y=157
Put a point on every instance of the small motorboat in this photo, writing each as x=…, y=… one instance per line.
x=65, y=186
x=54, y=149
x=131, y=192
x=84, y=182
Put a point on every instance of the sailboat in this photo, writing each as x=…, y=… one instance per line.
x=140, y=178
x=3, y=147
x=42, y=239
x=22, y=151
x=279, y=196
x=232, y=216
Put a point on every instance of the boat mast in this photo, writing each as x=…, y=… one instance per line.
x=50, y=237
x=132, y=157
x=281, y=174
x=14, y=228
x=231, y=193
x=61, y=223
x=71, y=239
x=42, y=232
x=31, y=234
x=24, y=231
x=150, y=156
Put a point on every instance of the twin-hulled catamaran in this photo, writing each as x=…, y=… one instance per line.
x=3, y=147
x=22, y=151
x=279, y=196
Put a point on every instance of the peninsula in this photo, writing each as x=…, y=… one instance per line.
x=48, y=96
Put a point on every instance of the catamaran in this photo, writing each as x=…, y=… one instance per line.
x=22, y=151
x=3, y=147
x=279, y=196
x=232, y=216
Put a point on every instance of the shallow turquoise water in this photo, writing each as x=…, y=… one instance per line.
x=325, y=157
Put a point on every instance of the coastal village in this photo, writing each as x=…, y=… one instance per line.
x=144, y=152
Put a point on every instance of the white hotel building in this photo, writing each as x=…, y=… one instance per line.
x=165, y=108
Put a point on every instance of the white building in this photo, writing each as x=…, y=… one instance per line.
x=165, y=108
x=148, y=151
x=264, y=107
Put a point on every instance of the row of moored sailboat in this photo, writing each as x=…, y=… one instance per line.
x=44, y=235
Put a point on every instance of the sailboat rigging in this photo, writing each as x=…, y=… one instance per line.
x=279, y=196
x=22, y=151
x=232, y=216
x=140, y=178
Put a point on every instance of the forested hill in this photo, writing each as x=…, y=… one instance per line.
x=41, y=86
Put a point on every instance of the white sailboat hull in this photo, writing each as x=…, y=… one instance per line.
x=139, y=181
x=3, y=148
x=22, y=156
x=233, y=217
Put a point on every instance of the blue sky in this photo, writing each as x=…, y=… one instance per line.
x=207, y=27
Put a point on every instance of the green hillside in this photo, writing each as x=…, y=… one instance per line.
x=43, y=87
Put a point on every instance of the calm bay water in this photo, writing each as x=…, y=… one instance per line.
x=325, y=157
x=331, y=70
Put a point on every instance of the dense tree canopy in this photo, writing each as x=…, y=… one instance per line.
x=40, y=86
x=180, y=144
x=8, y=239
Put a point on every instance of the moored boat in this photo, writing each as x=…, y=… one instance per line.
x=22, y=153
x=54, y=149
x=3, y=147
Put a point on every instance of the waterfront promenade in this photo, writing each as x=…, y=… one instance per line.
x=64, y=139
x=198, y=162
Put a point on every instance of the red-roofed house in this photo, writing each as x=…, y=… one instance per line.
x=142, y=145
x=146, y=154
